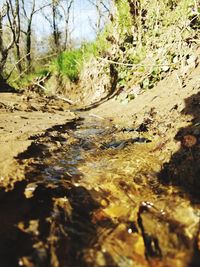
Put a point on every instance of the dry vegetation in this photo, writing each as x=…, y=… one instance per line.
x=143, y=43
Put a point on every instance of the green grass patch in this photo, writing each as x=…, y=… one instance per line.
x=69, y=63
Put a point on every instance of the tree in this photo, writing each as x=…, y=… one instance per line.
x=58, y=19
x=9, y=13
x=54, y=20
x=66, y=7
x=17, y=37
x=28, y=15
x=104, y=11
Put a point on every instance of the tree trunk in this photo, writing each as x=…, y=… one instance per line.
x=28, y=46
x=19, y=65
x=55, y=29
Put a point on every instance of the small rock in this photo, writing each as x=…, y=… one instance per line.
x=191, y=59
x=189, y=140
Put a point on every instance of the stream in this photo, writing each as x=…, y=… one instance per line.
x=97, y=201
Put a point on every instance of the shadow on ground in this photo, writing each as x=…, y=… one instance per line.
x=183, y=170
x=6, y=88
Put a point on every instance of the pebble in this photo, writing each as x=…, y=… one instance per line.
x=189, y=141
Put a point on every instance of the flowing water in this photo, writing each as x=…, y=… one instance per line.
x=98, y=201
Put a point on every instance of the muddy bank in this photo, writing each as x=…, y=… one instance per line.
x=22, y=116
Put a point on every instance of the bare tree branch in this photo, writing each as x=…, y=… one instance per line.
x=66, y=12
x=14, y=67
x=101, y=9
x=28, y=32
x=9, y=10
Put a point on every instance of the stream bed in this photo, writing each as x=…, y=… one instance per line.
x=97, y=201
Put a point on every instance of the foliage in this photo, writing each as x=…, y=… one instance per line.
x=68, y=63
x=123, y=17
x=152, y=38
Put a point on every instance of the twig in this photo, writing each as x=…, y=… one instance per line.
x=20, y=74
x=41, y=86
x=41, y=58
x=65, y=99
x=16, y=65
x=96, y=116
x=129, y=64
x=179, y=81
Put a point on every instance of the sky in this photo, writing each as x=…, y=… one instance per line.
x=83, y=16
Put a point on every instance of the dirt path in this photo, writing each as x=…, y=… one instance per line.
x=114, y=186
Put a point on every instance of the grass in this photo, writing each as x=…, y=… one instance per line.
x=71, y=63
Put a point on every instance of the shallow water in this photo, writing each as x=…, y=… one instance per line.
x=98, y=202
x=138, y=221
